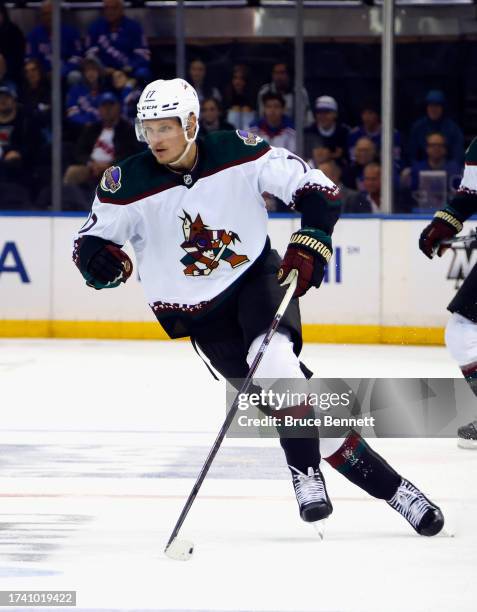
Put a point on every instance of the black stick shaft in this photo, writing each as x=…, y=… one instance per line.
x=450, y=241
x=229, y=418
x=469, y=238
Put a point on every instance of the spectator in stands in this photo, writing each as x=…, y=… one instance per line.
x=282, y=84
x=82, y=99
x=101, y=144
x=5, y=81
x=19, y=140
x=369, y=198
x=14, y=196
x=435, y=120
x=365, y=153
x=239, y=99
x=326, y=131
x=211, y=117
x=36, y=99
x=12, y=46
x=39, y=45
x=334, y=172
x=320, y=155
x=118, y=42
x=371, y=128
x=275, y=126
x=436, y=159
x=127, y=93
x=198, y=78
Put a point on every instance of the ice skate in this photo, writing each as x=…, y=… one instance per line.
x=424, y=516
x=467, y=436
x=311, y=495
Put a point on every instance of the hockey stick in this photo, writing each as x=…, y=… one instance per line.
x=469, y=238
x=472, y=237
x=182, y=550
x=208, y=270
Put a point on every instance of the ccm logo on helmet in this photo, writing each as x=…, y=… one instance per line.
x=149, y=107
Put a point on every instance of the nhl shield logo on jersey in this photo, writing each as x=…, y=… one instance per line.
x=248, y=138
x=111, y=179
x=206, y=248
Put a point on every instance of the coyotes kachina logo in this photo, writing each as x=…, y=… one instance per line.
x=206, y=248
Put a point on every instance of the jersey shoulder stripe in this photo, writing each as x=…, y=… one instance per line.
x=132, y=179
x=224, y=149
x=234, y=162
x=140, y=176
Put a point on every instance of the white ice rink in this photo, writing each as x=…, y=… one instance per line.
x=101, y=443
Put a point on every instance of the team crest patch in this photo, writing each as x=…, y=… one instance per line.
x=111, y=179
x=248, y=138
x=205, y=248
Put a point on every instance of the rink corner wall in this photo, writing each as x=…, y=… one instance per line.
x=378, y=288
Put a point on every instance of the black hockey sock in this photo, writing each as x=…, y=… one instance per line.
x=470, y=374
x=302, y=453
x=357, y=461
x=301, y=443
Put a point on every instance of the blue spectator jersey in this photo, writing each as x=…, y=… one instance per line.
x=128, y=97
x=359, y=132
x=39, y=47
x=125, y=47
x=448, y=128
x=453, y=169
x=82, y=104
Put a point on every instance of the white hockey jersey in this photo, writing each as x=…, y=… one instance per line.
x=469, y=180
x=194, y=234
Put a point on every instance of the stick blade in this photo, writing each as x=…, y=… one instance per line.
x=180, y=550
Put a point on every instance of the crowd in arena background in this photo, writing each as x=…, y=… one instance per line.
x=104, y=70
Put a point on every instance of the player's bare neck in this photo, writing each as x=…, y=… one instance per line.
x=188, y=163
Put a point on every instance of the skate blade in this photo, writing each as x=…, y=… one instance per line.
x=467, y=444
x=446, y=533
x=319, y=529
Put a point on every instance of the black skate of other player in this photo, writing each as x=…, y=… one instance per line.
x=467, y=436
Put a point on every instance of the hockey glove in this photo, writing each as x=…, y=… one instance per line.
x=444, y=226
x=309, y=252
x=109, y=267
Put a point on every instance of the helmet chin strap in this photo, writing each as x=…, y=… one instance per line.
x=183, y=154
x=190, y=142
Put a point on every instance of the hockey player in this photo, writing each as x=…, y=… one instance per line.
x=461, y=330
x=194, y=214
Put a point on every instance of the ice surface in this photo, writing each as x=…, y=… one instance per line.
x=101, y=443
